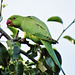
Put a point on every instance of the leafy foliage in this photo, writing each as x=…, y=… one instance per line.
x=12, y=63
x=70, y=39
x=4, y=56
x=33, y=51
x=13, y=30
x=55, y=19
x=16, y=52
x=49, y=63
x=20, y=68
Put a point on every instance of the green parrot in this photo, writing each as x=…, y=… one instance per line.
x=37, y=31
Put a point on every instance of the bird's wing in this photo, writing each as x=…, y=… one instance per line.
x=34, y=27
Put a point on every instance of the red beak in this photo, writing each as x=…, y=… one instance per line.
x=9, y=23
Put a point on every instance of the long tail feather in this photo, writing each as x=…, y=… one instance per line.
x=52, y=54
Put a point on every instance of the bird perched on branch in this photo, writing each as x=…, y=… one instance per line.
x=35, y=30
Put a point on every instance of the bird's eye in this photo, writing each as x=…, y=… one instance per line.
x=14, y=18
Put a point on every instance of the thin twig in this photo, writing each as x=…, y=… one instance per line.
x=1, y=10
x=66, y=29
x=17, y=34
x=21, y=51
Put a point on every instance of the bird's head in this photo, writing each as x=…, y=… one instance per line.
x=14, y=21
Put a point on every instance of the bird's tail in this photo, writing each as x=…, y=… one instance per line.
x=52, y=54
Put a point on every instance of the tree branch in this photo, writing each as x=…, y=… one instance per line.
x=1, y=10
x=5, y=34
x=66, y=29
x=21, y=51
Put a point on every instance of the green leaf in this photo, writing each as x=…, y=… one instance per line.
x=31, y=72
x=36, y=71
x=20, y=68
x=18, y=44
x=5, y=72
x=4, y=56
x=48, y=72
x=13, y=30
x=16, y=52
x=10, y=48
x=49, y=63
x=58, y=56
x=10, y=44
x=55, y=19
x=33, y=51
x=70, y=39
x=12, y=67
x=45, y=52
x=1, y=18
x=26, y=73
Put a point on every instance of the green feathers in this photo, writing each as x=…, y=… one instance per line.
x=35, y=30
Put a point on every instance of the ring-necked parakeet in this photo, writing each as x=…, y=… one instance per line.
x=35, y=30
